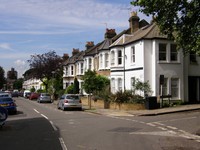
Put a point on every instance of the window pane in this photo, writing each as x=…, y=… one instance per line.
x=119, y=57
x=175, y=87
x=174, y=53
x=165, y=87
x=133, y=54
x=162, y=51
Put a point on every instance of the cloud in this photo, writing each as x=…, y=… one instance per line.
x=20, y=62
x=5, y=46
x=43, y=14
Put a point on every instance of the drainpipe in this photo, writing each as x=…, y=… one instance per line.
x=124, y=70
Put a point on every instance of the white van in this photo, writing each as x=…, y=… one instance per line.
x=26, y=91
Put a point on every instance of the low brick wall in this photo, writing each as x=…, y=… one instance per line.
x=100, y=104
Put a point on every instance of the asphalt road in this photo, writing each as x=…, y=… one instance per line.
x=43, y=126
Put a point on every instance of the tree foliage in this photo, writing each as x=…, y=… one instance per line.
x=179, y=19
x=93, y=83
x=76, y=86
x=2, y=77
x=142, y=87
x=45, y=66
x=18, y=84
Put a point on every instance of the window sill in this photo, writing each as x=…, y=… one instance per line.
x=168, y=62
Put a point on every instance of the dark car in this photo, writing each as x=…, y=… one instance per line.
x=34, y=96
x=9, y=104
x=14, y=94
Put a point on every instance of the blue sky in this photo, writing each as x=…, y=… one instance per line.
x=30, y=27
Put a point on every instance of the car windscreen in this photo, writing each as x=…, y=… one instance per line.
x=72, y=97
x=6, y=99
x=45, y=94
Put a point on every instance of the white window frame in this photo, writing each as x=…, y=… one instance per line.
x=106, y=60
x=133, y=54
x=72, y=70
x=162, y=53
x=113, y=85
x=119, y=80
x=119, y=58
x=112, y=62
x=173, y=53
x=101, y=60
x=175, y=87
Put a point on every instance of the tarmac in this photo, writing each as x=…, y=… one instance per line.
x=145, y=112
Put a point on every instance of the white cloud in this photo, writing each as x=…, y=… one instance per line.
x=63, y=13
x=5, y=46
x=20, y=62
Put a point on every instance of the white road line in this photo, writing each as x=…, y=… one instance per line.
x=162, y=128
x=45, y=116
x=36, y=111
x=150, y=124
x=54, y=127
x=64, y=147
x=170, y=127
x=158, y=123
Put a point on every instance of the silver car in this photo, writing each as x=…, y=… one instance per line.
x=69, y=101
x=44, y=97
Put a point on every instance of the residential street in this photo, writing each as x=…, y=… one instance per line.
x=43, y=126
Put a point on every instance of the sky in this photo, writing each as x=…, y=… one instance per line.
x=29, y=27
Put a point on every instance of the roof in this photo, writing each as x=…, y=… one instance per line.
x=150, y=31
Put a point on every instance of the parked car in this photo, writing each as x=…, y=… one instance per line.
x=27, y=95
x=3, y=94
x=44, y=97
x=9, y=104
x=69, y=101
x=34, y=96
x=14, y=94
x=26, y=91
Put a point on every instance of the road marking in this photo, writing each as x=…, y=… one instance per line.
x=151, y=124
x=170, y=127
x=54, y=127
x=36, y=111
x=64, y=147
x=44, y=116
x=162, y=128
x=160, y=133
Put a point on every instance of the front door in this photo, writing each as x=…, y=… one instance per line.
x=194, y=90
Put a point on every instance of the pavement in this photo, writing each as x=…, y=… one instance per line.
x=151, y=112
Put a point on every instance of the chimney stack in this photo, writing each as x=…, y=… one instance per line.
x=89, y=45
x=110, y=33
x=65, y=56
x=75, y=51
x=134, y=22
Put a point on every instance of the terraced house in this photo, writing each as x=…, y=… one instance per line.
x=140, y=52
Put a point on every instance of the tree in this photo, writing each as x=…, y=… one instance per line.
x=2, y=78
x=76, y=86
x=179, y=19
x=93, y=83
x=89, y=81
x=142, y=87
x=18, y=83
x=44, y=66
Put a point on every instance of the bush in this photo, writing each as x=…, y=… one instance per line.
x=127, y=97
x=69, y=89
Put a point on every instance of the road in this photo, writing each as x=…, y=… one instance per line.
x=43, y=126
